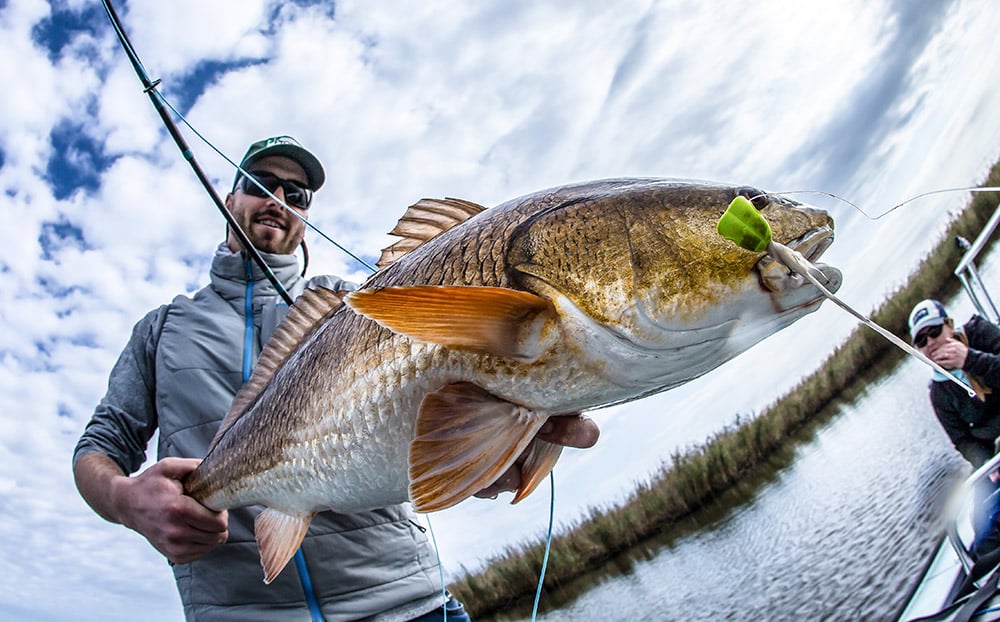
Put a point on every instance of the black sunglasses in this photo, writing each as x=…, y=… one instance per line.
x=928, y=333
x=295, y=194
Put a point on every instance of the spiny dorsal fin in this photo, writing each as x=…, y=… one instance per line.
x=466, y=438
x=424, y=220
x=304, y=317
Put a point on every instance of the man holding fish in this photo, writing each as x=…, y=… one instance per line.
x=177, y=376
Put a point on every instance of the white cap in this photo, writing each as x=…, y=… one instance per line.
x=926, y=313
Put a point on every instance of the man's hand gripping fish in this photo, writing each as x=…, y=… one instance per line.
x=435, y=376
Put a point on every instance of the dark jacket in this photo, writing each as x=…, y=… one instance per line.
x=177, y=375
x=973, y=425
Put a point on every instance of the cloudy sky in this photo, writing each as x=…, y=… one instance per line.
x=873, y=101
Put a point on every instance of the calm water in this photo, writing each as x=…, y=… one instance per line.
x=839, y=532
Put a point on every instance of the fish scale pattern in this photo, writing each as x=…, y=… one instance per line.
x=644, y=296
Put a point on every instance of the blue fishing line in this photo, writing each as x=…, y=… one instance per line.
x=548, y=544
x=300, y=559
x=305, y=577
x=444, y=591
x=545, y=556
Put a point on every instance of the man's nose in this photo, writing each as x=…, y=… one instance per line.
x=279, y=192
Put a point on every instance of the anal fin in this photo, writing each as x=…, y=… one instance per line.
x=279, y=535
x=466, y=439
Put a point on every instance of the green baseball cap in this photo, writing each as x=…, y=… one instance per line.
x=290, y=148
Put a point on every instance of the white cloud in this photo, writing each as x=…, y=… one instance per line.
x=208, y=31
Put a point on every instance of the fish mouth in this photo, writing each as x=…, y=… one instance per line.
x=777, y=278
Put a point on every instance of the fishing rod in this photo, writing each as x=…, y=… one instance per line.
x=149, y=87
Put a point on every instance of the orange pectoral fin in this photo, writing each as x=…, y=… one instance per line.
x=279, y=535
x=466, y=438
x=495, y=320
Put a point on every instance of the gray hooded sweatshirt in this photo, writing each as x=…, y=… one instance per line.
x=179, y=373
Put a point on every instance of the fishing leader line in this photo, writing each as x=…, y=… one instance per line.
x=800, y=265
x=894, y=207
x=756, y=232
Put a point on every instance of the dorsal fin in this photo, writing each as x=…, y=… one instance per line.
x=424, y=220
x=304, y=317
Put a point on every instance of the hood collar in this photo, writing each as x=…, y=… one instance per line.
x=229, y=273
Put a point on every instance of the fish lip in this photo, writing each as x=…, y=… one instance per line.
x=776, y=277
x=813, y=243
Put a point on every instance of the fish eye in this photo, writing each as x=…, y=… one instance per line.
x=758, y=198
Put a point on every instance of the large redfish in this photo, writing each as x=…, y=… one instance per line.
x=438, y=372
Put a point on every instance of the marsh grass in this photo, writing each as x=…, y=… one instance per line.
x=672, y=499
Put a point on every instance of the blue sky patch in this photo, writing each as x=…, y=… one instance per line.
x=183, y=91
x=58, y=30
x=57, y=290
x=58, y=235
x=329, y=9
x=77, y=160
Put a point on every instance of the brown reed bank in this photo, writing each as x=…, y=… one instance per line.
x=700, y=474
